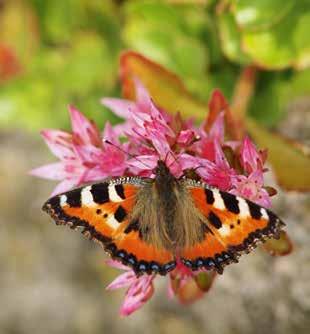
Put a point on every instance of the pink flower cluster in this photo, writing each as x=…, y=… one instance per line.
x=151, y=134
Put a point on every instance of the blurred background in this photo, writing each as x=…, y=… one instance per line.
x=53, y=53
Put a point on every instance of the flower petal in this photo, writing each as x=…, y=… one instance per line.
x=120, y=107
x=85, y=129
x=143, y=163
x=59, y=142
x=122, y=281
x=137, y=295
x=54, y=171
x=110, y=134
x=217, y=129
x=117, y=265
x=65, y=185
x=186, y=137
x=142, y=95
x=250, y=158
x=251, y=187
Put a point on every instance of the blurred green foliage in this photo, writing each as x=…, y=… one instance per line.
x=68, y=51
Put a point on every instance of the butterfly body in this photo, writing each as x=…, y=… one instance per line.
x=166, y=213
x=150, y=223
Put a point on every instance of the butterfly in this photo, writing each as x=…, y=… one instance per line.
x=150, y=224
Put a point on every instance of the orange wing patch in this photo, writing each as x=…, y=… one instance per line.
x=234, y=225
x=150, y=258
x=103, y=211
x=209, y=254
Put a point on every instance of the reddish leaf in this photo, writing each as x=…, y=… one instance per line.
x=279, y=247
x=189, y=289
x=217, y=104
x=271, y=191
x=19, y=28
x=243, y=91
x=189, y=293
x=9, y=64
x=165, y=87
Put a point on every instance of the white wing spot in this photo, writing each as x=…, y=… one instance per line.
x=112, y=222
x=244, y=208
x=224, y=230
x=113, y=194
x=218, y=200
x=63, y=200
x=87, y=197
x=264, y=214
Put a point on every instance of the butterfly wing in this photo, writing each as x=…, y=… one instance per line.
x=103, y=211
x=233, y=226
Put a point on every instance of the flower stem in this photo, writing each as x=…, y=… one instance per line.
x=243, y=92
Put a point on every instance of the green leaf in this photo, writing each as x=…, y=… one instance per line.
x=284, y=44
x=290, y=164
x=301, y=41
x=88, y=64
x=262, y=14
x=275, y=91
x=80, y=74
x=299, y=85
x=266, y=106
x=270, y=49
x=230, y=39
x=163, y=34
x=56, y=23
x=204, y=280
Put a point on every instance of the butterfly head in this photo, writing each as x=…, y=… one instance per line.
x=162, y=172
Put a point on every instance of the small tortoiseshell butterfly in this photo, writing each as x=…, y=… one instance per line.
x=148, y=223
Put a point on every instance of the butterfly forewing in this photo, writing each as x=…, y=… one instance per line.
x=103, y=210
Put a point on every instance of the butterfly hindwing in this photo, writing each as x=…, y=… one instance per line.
x=234, y=225
x=103, y=211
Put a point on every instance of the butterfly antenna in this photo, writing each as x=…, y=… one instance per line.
x=200, y=166
x=174, y=157
x=131, y=156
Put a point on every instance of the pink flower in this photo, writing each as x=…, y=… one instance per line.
x=186, y=137
x=83, y=155
x=217, y=173
x=250, y=158
x=144, y=120
x=148, y=134
x=140, y=289
x=205, y=146
x=151, y=137
x=251, y=184
x=251, y=187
